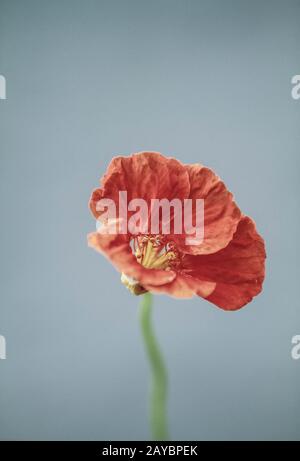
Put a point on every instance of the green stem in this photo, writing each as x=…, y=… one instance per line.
x=159, y=380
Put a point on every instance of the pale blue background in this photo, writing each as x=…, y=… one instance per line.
x=205, y=81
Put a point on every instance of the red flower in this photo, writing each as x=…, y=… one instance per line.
x=226, y=268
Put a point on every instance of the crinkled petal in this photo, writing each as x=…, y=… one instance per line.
x=238, y=269
x=184, y=286
x=145, y=175
x=221, y=214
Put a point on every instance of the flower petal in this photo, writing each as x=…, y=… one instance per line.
x=184, y=286
x=145, y=175
x=238, y=269
x=221, y=214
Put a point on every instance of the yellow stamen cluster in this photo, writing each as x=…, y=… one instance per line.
x=151, y=253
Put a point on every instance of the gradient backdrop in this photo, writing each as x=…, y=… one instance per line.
x=205, y=81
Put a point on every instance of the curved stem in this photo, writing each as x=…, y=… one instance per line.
x=159, y=380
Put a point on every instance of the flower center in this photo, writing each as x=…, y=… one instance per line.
x=153, y=253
